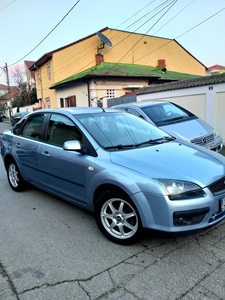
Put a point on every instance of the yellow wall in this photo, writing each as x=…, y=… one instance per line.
x=42, y=87
x=126, y=48
x=147, y=50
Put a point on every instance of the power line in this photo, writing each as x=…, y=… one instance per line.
x=155, y=9
x=88, y=54
x=201, y=23
x=171, y=5
x=173, y=17
x=48, y=33
x=7, y=5
x=182, y=34
x=135, y=14
x=131, y=33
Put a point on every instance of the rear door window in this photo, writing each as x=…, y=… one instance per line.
x=33, y=126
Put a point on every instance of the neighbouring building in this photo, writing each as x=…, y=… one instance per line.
x=3, y=89
x=215, y=69
x=6, y=99
x=30, y=75
x=109, y=64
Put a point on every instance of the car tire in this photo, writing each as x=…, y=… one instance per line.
x=15, y=179
x=118, y=218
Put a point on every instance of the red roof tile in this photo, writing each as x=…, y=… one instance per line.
x=216, y=67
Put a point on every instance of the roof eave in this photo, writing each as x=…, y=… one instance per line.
x=93, y=77
x=41, y=61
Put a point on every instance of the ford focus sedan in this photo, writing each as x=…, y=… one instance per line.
x=131, y=174
x=176, y=121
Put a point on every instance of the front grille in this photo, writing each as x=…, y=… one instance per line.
x=217, y=187
x=203, y=140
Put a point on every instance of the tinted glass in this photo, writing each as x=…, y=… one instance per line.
x=134, y=111
x=33, y=126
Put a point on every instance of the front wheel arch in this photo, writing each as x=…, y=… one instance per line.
x=117, y=217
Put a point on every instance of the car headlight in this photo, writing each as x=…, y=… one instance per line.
x=181, y=190
x=216, y=134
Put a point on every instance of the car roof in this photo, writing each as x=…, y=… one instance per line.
x=76, y=110
x=140, y=104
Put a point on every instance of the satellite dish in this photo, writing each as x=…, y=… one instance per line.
x=104, y=40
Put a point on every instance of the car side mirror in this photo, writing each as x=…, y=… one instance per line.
x=73, y=145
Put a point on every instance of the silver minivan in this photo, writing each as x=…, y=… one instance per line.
x=177, y=121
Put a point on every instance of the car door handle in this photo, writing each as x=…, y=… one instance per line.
x=17, y=145
x=45, y=154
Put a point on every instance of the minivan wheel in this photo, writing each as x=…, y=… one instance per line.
x=118, y=218
x=15, y=179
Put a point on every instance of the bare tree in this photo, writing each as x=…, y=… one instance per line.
x=19, y=77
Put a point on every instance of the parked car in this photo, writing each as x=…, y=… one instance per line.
x=177, y=121
x=18, y=116
x=130, y=173
x=1, y=117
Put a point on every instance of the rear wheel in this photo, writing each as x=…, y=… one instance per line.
x=15, y=179
x=118, y=218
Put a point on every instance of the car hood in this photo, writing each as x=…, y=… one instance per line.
x=189, y=129
x=173, y=160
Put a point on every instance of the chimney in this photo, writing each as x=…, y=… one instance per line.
x=161, y=63
x=99, y=58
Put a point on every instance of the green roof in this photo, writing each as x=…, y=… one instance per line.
x=125, y=70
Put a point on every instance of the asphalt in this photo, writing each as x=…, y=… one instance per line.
x=188, y=268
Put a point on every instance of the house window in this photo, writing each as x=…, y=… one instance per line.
x=70, y=101
x=110, y=94
x=48, y=66
x=38, y=77
x=61, y=102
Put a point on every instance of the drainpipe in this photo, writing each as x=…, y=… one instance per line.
x=88, y=92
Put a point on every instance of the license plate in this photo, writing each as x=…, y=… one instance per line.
x=222, y=204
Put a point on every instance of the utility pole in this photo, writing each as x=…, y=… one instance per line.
x=7, y=77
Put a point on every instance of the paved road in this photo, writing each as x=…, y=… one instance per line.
x=52, y=250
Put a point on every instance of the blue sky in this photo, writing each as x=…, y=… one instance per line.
x=25, y=23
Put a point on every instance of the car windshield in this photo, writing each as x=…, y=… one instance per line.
x=166, y=113
x=118, y=131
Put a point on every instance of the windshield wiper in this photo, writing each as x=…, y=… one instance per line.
x=120, y=146
x=178, y=118
x=156, y=141
x=151, y=142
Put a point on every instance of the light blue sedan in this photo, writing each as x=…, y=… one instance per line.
x=130, y=173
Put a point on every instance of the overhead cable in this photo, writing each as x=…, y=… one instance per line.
x=47, y=34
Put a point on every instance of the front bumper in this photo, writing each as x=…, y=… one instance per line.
x=158, y=212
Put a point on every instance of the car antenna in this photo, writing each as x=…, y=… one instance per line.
x=98, y=104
